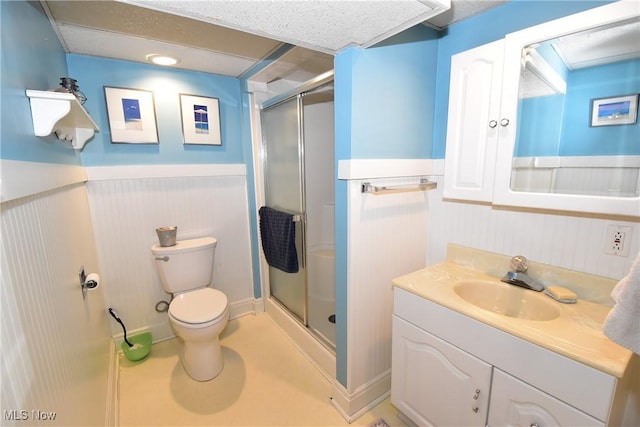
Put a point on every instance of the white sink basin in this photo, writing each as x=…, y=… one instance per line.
x=507, y=300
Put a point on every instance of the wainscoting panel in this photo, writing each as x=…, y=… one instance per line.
x=572, y=241
x=386, y=240
x=55, y=345
x=125, y=214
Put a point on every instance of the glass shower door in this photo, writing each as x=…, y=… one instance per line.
x=284, y=184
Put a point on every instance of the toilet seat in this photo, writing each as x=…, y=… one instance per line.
x=198, y=306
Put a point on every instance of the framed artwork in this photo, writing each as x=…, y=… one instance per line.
x=132, y=116
x=621, y=110
x=200, y=120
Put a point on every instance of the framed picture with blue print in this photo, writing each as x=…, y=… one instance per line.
x=132, y=116
x=200, y=120
x=620, y=110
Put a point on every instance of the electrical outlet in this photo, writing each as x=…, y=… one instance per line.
x=617, y=240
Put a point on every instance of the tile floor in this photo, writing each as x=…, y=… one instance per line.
x=266, y=382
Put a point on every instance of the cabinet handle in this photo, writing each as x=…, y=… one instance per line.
x=474, y=406
x=504, y=122
x=493, y=124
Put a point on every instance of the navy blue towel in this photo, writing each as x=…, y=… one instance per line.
x=278, y=233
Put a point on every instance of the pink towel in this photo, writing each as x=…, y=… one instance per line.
x=622, y=325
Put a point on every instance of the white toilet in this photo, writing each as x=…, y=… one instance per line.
x=197, y=313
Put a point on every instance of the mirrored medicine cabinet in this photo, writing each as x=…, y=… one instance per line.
x=570, y=137
x=553, y=151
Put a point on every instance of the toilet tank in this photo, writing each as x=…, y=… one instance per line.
x=186, y=265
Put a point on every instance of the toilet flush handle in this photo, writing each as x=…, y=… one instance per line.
x=164, y=258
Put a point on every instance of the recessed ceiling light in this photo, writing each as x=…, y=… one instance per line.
x=162, y=59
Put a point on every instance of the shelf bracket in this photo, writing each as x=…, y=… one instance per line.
x=62, y=114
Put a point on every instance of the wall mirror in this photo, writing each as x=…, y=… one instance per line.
x=571, y=88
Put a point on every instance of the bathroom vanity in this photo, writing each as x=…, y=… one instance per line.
x=471, y=350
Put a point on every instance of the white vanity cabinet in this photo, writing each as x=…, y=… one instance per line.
x=474, y=122
x=515, y=403
x=435, y=383
x=450, y=369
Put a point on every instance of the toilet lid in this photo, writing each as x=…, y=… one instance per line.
x=199, y=306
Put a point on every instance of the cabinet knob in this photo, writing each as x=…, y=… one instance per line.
x=504, y=122
x=493, y=124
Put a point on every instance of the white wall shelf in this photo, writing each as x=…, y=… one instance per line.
x=61, y=113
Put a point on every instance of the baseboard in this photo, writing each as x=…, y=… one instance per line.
x=353, y=405
x=163, y=331
x=244, y=307
x=111, y=418
x=406, y=420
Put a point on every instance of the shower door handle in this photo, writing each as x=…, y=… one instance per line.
x=301, y=219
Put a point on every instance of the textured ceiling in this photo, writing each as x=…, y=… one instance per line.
x=117, y=30
x=328, y=26
x=229, y=37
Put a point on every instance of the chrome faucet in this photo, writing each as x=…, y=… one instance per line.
x=518, y=275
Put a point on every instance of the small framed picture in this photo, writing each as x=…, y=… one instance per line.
x=200, y=120
x=132, y=116
x=621, y=110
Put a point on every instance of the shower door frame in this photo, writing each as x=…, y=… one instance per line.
x=298, y=94
x=299, y=216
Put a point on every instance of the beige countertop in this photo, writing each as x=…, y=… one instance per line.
x=576, y=333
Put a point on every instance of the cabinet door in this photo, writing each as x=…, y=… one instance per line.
x=474, y=122
x=515, y=403
x=434, y=383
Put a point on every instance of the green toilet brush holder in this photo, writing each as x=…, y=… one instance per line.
x=136, y=347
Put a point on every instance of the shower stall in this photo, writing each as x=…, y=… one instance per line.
x=298, y=176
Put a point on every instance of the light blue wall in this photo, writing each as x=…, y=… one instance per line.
x=31, y=58
x=342, y=103
x=392, y=95
x=484, y=28
x=166, y=84
x=539, y=126
x=578, y=138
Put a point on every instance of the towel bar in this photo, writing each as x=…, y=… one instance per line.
x=424, y=185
